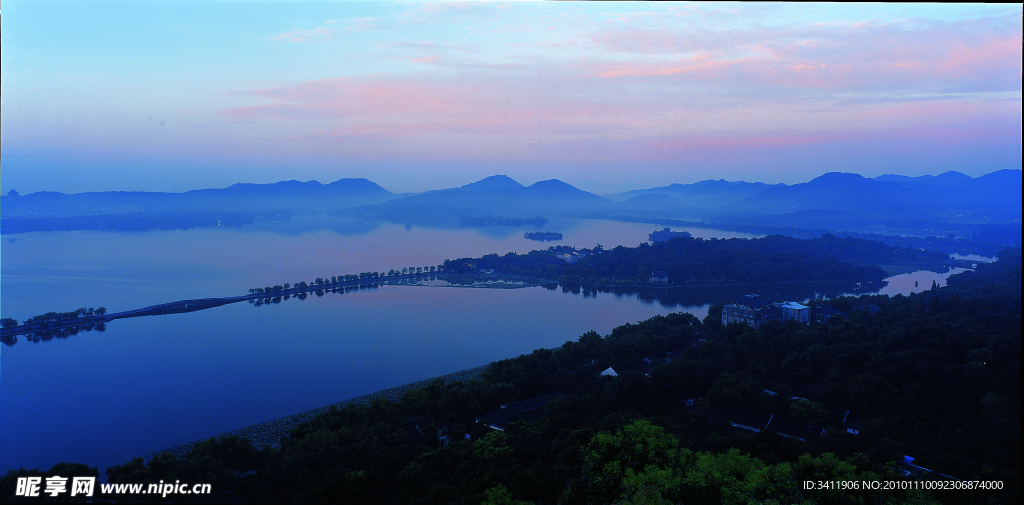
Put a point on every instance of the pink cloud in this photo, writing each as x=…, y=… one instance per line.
x=376, y=133
x=475, y=98
x=567, y=104
x=881, y=150
x=701, y=66
x=977, y=54
x=702, y=84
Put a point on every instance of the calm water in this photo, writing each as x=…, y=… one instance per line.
x=146, y=384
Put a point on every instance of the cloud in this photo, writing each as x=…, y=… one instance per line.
x=432, y=46
x=314, y=35
x=976, y=54
x=380, y=134
x=599, y=100
x=664, y=84
x=364, y=24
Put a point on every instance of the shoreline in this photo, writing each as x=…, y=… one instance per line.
x=269, y=433
x=432, y=279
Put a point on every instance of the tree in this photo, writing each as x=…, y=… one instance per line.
x=732, y=390
x=499, y=495
x=808, y=412
x=102, y=311
x=612, y=464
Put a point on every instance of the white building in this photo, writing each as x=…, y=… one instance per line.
x=795, y=311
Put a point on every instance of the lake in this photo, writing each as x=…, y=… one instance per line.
x=146, y=384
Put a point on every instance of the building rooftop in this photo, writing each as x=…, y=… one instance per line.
x=752, y=301
x=642, y=365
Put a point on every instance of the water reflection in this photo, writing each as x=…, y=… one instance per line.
x=113, y=395
x=915, y=282
x=973, y=257
x=693, y=299
x=698, y=299
x=58, y=333
x=237, y=365
x=43, y=270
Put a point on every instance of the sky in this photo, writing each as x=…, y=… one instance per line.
x=174, y=96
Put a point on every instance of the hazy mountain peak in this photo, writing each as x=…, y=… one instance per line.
x=494, y=183
x=352, y=180
x=357, y=185
x=553, y=183
x=950, y=178
x=277, y=185
x=554, y=188
x=831, y=177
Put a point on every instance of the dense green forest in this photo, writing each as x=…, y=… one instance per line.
x=775, y=258
x=934, y=375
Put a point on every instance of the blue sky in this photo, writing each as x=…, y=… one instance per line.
x=172, y=96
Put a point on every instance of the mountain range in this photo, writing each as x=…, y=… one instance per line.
x=833, y=201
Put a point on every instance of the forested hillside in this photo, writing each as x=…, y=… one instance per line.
x=775, y=258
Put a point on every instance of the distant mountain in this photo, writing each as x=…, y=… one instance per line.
x=996, y=193
x=494, y=183
x=492, y=196
x=704, y=199
x=834, y=201
x=951, y=178
x=985, y=198
x=701, y=192
x=1006, y=182
x=831, y=191
x=343, y=193
x=342, y=188
x=554, y=189
x=651, y=201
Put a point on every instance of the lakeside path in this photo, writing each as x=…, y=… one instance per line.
x=433, y=279
x=269, y=433
x=429, y=279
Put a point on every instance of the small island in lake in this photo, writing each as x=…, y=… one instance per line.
x=663, y=235
x=542, y=236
